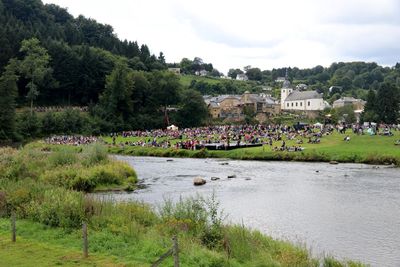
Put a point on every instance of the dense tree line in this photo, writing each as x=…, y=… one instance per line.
x=346, y=79
x=383, y=105
x=131, y=99
x=83, y=51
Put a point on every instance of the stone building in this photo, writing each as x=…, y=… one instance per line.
x=231, y=107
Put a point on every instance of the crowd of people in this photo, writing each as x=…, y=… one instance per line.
x=231, y=136
x=75, y=140
x=227, y=135
x=59, y=108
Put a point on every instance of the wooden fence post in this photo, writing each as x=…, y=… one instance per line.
x=175, y=249
x=85, y=240
x=13, y=227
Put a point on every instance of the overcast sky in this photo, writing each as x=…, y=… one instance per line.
x=261, y=33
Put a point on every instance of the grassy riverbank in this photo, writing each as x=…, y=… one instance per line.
x=88, y=169
x=360, y=149
x=50, y=212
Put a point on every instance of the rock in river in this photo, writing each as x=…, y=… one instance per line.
x=214, y=178
x=199, y=181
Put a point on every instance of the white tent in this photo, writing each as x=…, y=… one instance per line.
x=172, y=128
x=318, y=125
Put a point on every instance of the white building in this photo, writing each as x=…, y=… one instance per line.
x=201, y=73
x=300, y=100
x=242, y=77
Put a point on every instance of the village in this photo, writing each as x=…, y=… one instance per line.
x=263, y=106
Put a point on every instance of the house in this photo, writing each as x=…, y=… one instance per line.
x=280, y=79
x=358, y=104
x=242, y=77
x=175, y=70
x=201, y=73
x=301, y=87
x=231, y=107
x=335, y=89
x=297, y=100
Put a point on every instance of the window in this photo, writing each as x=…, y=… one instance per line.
x=283, y=90
x=287, y=104
x=296, y=104
x=301, y=104
x=292, y=104
x=308, y=103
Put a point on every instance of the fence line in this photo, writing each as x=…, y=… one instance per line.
x=13, y=228
x=85, y=240
x=174, y=251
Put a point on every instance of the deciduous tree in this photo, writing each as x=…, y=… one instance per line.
x=34, y=66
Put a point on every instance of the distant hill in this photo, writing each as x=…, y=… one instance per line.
x=83, y=51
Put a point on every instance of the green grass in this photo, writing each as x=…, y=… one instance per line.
x=360, y=149
x=86, y=169
x=44, y=254
x=49, y=218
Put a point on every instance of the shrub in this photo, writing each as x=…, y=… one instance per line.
x=58, y=207
x=197, y=215
x=63, y=157
x=3, y=203
x=94, y=154
x=28, y=125
x=60, y=176
x=83, y=181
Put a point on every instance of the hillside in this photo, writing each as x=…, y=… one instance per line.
x=214, y=86
x=82, y=50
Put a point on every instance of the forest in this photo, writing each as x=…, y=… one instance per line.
x=50, y=58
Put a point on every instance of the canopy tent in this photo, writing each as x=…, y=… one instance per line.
x=172, y=128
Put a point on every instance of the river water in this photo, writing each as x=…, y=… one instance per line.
x=350, y=211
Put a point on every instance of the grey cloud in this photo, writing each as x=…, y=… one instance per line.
x=212, y=32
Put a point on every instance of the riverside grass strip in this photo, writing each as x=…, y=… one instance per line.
x=360, y=149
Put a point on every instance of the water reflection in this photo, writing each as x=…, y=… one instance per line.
x=346, y=210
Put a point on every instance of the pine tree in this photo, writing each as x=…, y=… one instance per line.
x=8, y=93
x=388, y=103
x=370, y=114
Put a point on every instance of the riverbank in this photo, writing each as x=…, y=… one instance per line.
x=50, y=213
x=360, y=149
x=84, y=169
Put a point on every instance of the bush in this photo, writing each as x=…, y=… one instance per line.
x=63, y=157
x=94, y=154
x=197, y=215
x=83, y=182
x=28, y=125
x=58, y=207
x=60, y=177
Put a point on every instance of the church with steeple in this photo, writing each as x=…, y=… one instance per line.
x=297, y=100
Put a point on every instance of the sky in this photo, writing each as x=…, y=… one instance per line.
x=261, y=33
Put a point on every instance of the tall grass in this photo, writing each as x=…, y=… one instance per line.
x=133, y=231
x=40, y=186
x=69, y=168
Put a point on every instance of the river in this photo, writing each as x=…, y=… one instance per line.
x=350, y=211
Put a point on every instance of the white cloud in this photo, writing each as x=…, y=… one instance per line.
x=265, y=34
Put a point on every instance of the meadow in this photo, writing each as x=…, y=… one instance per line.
x=368, y=149
x=50, y=209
